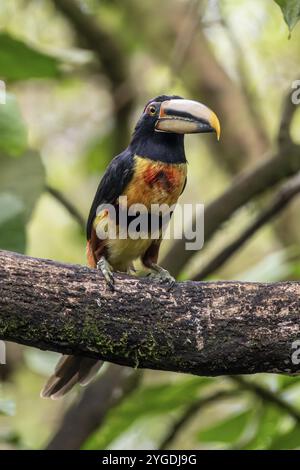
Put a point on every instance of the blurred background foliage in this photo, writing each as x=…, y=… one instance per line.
x=77, y=74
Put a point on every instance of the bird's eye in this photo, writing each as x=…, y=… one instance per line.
x=152, y=110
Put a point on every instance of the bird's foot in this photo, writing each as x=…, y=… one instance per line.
x=161, y=275
x=131, y=270
x=106, y=270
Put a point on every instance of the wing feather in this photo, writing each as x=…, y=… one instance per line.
x=115, y=179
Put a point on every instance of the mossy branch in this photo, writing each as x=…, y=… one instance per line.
x=209, y=328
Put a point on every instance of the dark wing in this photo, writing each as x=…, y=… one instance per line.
x=184, y=185
x=115, y=179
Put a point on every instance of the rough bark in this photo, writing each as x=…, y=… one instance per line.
x=212, y=328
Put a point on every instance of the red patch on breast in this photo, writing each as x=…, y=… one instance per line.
x=168, y=178
x=150, y=175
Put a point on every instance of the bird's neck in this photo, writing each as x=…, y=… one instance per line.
x=158, y=146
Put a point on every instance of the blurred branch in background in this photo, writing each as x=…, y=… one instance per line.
x=185, y=36
x=240, y=144
x=268, y=396
x=86, y=415
x=283, y=197
x=285, y=162
x=112, y=62
x=242, y=385
x=247, y=186
x=244, y=73
x=192, y=411
x=204, y=78
x=73, y=211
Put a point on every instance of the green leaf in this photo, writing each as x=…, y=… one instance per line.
x=10, y=207
x=21, y=183
x=12, y=223
x=19, y=61
x=13, y=132
x=291, y=12
x=143, y=402
x=99, y=154
x=228, y=431
x=268, y=427
x=289, y=440
x=286, y=381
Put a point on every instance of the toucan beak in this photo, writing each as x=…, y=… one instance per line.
x=187, y=117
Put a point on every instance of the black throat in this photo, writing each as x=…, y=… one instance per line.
x=158, y=146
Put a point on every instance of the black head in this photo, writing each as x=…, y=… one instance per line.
x=160, y=130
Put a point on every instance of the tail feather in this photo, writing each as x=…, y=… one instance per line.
x=88, y=372
x=69, y=371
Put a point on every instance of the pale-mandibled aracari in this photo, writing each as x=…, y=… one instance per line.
x=151, y=170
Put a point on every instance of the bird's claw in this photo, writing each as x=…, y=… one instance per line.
x=162, y=276
x=131, y=270
x=105, y=268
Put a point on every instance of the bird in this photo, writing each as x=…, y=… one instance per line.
x=151, y=170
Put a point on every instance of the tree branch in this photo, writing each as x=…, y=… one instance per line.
x=73, y=211
x=199, y=328
x=97, y=39
x=268, y=396
x=284, y=196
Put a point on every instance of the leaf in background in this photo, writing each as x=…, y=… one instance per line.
x=7, y=407
x=10, y=207
x=291, y=12
x=13, y=132
x=155, y=400
x=12, y=223
x=289, y=440
x=99, y=153
x=295, y=270
x=267, y=428
x=19, y=61
x=228, y=430
x=286, y=381
x=21, y=183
